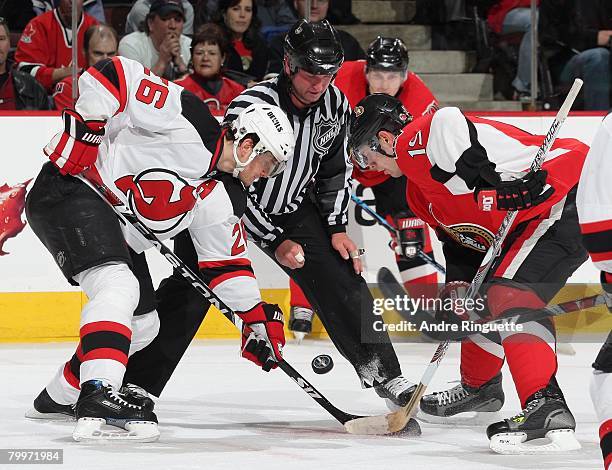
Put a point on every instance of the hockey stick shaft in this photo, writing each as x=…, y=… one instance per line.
x=93, y=179
x=393, y=231
x=399, y=419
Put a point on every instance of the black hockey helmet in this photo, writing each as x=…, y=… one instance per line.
x=372, y=114
x=387, y=54
x=313, y=47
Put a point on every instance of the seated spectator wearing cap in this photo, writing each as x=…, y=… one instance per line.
x=44, y=49
x=18, y=90
x=248, y=52
x=318, y=12
x=100, y=42
x=137, y=15
x=93, y=8
x=161, y=47
x=208, y=52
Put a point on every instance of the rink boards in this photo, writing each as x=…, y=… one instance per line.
x=37, y=304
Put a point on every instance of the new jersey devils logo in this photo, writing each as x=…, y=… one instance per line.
x=161, y=198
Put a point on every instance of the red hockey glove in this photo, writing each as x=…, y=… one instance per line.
x=263, y=336
x=411, y=234
x=75, y=149
x=513, y=195
x=452, y=306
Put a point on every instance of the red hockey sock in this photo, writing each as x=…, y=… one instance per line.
x=478, y=366
x=605, y=438
x=298, y=299
x=532, y=363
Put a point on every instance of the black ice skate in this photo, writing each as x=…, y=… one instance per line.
x=46, y=408
x=397, y=392
x=546, y=415
x=300, y=322
x=137, y=395
x=464, y=405
x=100, y=411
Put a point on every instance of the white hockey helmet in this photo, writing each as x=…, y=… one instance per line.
x=273, y=129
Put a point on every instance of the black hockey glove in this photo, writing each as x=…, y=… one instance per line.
x=410, y=234
x=514, y=195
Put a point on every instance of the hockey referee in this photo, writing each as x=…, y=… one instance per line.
x=298, y=219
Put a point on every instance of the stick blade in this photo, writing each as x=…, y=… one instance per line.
x=379, y=425
x=369, y=425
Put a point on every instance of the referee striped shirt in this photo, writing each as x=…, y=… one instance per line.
x=320, y=157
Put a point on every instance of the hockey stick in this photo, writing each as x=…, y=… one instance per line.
x=93, y=180
x=393, y=231
x=397, y=420
x=391, y=288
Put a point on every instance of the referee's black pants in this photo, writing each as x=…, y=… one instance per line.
x=340, y=297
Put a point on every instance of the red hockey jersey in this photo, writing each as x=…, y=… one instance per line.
x=413, y=94
x=440, y=153
x=218, y=102
x=46, y=44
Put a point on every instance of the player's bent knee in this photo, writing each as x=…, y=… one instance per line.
x=144, y=330
x=114, y=285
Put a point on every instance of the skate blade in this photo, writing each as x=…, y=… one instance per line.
x=299, y=336
x=467, y=419
x=566, y=349
x=96, y=429
x=560, y=440
x=33, y=414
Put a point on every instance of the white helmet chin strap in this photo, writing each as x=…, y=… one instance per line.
x=240, y=165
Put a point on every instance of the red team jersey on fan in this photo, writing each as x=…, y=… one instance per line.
x=229, y=90
x=414, y=95
x=45, y=44
x=439, y=152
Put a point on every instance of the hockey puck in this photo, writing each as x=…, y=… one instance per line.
x=322, y=364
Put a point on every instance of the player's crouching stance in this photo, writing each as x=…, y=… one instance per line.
x=158, y=148
x=448, y=160
x=594, y=202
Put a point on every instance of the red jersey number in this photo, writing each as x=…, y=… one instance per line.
x=148, y=92
x=239, y=245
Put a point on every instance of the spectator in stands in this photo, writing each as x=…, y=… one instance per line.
x=161, y=47
x=91, y=7
x=44, y=49
x=16, y=14
x=575, y=37
x=136, y=17
x=275, y=15
x=18, y=90
x=208, y=52
x=100, y=42
x=509, y=17
x=318, y=12
x=248, y=52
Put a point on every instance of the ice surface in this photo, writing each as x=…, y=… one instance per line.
x=221, y=412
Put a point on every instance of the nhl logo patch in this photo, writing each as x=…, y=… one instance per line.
x=358, y=111
x=325, y=133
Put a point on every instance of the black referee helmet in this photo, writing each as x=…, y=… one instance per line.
x=314, y=48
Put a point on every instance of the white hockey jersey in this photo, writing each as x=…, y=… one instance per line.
x=159, y=156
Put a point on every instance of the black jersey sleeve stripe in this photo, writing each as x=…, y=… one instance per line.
x=468, y=166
